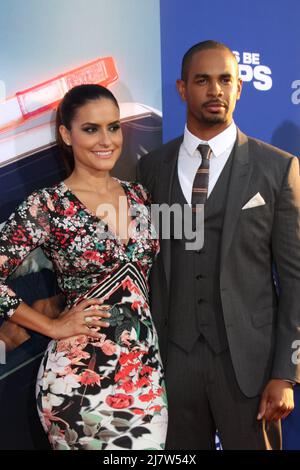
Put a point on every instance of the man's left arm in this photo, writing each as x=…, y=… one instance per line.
x=277, y=398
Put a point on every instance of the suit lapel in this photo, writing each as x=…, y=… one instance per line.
x=165, y=183
x=239, y=181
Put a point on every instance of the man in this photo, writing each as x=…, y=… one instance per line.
x=226, y=339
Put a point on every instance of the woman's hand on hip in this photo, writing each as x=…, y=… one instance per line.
x=85, y=318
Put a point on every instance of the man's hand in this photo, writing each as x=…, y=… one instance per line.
x=277, y=400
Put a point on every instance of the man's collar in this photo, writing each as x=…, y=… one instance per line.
x=218, y=144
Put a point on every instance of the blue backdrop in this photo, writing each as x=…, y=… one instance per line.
x=266, y=36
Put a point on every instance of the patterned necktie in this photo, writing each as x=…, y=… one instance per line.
x=200, y=185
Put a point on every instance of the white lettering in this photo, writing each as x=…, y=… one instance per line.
x=296, y=354
x=251, y=58
x=237, y=56
x=114, y=460
x=246, y=72
x=296, y=94
x=255, y=58
x=250, y=70
x=263, y=80
x=247, y=57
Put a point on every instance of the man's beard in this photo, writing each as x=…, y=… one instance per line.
x=214, y=119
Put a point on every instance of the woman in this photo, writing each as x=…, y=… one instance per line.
x=100, y=384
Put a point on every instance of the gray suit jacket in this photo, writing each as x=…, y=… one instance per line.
x=261, y=328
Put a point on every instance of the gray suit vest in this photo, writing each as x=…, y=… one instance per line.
x=195, y=302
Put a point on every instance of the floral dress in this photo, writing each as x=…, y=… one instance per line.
x=94, y=394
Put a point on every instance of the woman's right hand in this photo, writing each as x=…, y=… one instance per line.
x=83, y=319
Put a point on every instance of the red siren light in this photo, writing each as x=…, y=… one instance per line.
x=46, y=95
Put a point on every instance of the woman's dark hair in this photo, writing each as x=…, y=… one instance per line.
x=67, y=109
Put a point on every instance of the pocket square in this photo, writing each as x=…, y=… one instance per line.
x=255, y=201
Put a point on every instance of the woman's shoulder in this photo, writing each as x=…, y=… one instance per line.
x=46, y=194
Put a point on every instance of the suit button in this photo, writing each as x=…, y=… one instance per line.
x=200, y=301
x=199, y=276
x=166, y=322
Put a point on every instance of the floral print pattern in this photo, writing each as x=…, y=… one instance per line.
x=108, y=393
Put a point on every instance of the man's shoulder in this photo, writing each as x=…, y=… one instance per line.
x=168, y=149
x=268, y=149
x=267, y=154
x=171, y=144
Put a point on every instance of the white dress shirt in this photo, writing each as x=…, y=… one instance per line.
x=189, y=158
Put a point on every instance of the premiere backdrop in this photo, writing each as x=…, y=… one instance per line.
x=266, y=37
x=39, y=40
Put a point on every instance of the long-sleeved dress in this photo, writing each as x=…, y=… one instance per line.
x=101, y=394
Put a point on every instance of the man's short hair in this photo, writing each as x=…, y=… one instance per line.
x=201, y=46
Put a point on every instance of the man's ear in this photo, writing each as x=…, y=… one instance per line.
x=181, y=88
x=239, y=88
